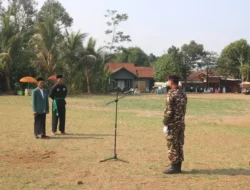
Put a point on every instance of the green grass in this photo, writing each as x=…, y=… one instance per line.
x=216, y=151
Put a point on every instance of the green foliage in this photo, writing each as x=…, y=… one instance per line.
x=245, y=70
x=55, y=8
x=193, y=50
x=164, y=66
x=45, y=44
x=133, y=55
x=233, y=57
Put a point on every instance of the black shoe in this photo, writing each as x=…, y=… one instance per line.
x=44, y=137
x=174, y=169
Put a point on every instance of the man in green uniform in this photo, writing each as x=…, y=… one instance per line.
x=174, y=124
x=40, y=107
x=58, y=94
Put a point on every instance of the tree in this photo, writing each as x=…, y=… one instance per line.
x=133, y=55
x=116, y=37
x=233, y=57
x=245, y=70
x=190, y=53
x=152, y=58
x=208, y=63
x=164, y=66
x=54, y=8
x=10, y=44
x=23, y=13
x=46, y=43
x=193, y=50
x=73, y=46
x=90, y=59
x=181, y=61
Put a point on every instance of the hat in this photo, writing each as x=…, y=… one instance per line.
x=40, y=79
x=59, y=76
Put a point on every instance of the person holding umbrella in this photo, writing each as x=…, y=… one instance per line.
x=40, y=107
x=58, y=94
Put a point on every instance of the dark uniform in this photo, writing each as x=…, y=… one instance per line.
x=174, y=120
x=58, y=94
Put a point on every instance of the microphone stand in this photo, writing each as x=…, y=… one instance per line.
x=116, y=107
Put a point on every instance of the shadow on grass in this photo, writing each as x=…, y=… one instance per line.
x=71, y=137
x=91, y=135
x=229, y=172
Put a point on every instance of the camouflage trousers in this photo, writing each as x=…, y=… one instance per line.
x=175, y=142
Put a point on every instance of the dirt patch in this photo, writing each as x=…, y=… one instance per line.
x=29, y=157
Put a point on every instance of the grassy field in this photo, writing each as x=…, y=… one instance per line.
x=217, y=145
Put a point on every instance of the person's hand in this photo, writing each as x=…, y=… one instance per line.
x=34, y=113
x=165, y=129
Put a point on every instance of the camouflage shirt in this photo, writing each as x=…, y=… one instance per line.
x=175, y=107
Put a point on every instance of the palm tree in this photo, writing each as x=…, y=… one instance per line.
x=89, y=57
x=73, y=46
x=46, y=43
x=10, y=43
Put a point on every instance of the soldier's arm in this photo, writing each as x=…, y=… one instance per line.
x=168, y=113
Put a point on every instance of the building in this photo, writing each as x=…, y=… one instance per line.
x=127, y=75
x=197, y=80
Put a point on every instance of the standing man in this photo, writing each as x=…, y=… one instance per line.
x=174, y=124
x=40, y=107
x=58, y=94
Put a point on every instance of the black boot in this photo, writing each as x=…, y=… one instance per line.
x=179, y=166
x=174, y=169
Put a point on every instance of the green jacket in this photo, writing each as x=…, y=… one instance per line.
x=40, y=104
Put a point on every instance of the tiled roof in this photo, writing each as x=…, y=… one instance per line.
x=141, y=72
x=113, y=67
x=145, y=72
x=195, y=75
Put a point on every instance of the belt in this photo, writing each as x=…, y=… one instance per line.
x=55, y=108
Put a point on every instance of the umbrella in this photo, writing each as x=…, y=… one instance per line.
x=28, y=79
x=53, y=77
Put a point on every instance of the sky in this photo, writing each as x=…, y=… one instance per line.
x=156, y=25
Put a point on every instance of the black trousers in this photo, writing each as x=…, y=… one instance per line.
x=39, y=124
x=61, y=118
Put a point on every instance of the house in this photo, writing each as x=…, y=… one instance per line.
x=127, y=75
x=200, y=79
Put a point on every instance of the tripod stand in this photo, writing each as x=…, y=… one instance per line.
x=116, y=106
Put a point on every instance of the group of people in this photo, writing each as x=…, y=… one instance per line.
x=40, y=107
x=174, y=116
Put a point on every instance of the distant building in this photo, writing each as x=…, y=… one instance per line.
x=127, y=75
x=197, y=80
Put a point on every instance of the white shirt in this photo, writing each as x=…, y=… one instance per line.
x=41, y=90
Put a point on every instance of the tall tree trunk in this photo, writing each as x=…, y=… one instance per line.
x=69, y=82
x=207, y=82
x=87, y=77
x=8, y=83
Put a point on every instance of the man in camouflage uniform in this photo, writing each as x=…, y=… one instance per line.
x=174, y=124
